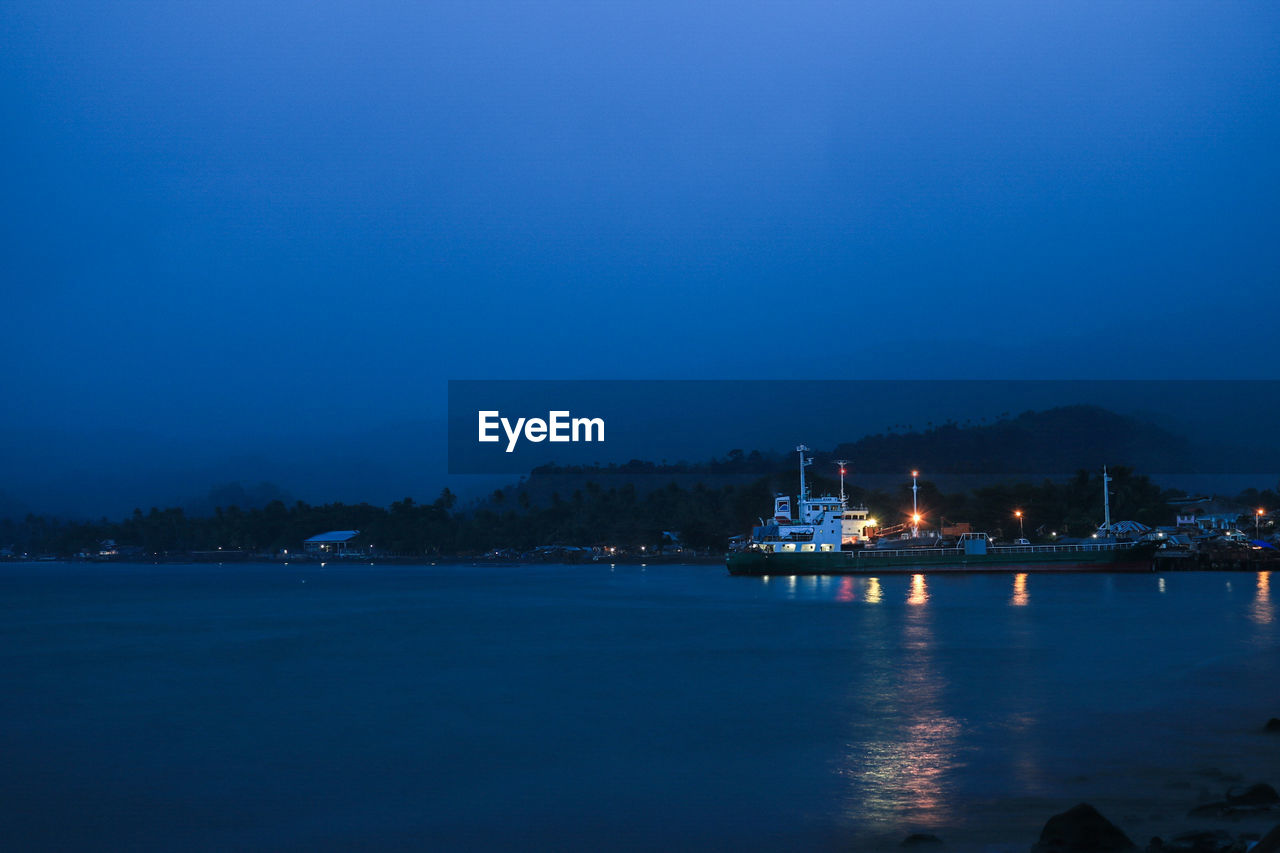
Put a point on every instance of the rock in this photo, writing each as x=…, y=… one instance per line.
x=1255, y=799
x=920, y=839
x=1270, y=842
x=1260, y=794
x=1273, y=725
x=1202, y=842
x=1209, y=810
x=1081, y=829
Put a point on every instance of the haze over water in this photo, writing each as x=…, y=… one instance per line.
x=590, y=707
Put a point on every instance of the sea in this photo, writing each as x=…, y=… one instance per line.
x=309, y=707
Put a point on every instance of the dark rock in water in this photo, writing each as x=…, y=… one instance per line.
x=1256, y=798
x=1081, y=829
x=1270, y=842
x=1210, y=810
x=920, y=839
x=1216, y=841
x=1273, y=725
x=1260, y=794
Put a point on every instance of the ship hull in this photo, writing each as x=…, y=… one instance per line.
x=1135, y=559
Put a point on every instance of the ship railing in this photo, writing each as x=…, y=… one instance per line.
x=995, y=549
x=1057, y=549
x=898, y=552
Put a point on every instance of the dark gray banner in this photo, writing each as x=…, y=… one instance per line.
x=883, y=426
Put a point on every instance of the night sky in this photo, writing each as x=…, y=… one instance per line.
x=239, y=231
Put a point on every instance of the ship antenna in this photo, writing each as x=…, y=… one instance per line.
x=802, y=450
x=842, y=463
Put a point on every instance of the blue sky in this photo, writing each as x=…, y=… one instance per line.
x=246, y=221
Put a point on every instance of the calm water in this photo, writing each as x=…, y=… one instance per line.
x=555, y=707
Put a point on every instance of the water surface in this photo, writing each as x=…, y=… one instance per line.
x=300, y=707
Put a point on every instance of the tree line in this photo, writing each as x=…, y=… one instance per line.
x=622, y=516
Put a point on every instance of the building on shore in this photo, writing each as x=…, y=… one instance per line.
x=335, y=543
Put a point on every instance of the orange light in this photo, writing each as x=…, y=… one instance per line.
x=915, y=473
x=1261, y=511
x=1017, y=513
x=916, y=518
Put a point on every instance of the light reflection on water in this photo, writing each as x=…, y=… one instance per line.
x=1263, y=611
x=1020, y=597
x=902, y=769
x=919, y=592
x=874, y=594
x=845, y=592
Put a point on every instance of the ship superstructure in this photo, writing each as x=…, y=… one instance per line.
x=827, y=523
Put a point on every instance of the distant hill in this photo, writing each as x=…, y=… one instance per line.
x=238, y=495
x=1059, y=440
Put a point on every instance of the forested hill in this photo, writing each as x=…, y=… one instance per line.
x=1054, y=441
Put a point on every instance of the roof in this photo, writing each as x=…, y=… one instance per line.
x=334, y=536
x=1129, y=527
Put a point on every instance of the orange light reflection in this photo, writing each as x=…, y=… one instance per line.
x=1020, y=597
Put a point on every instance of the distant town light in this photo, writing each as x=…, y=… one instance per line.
x=915, y=473
x=916, y=518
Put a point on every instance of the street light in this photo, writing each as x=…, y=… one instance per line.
x=1257, y=517
x=915, y=505
x=1022, y=533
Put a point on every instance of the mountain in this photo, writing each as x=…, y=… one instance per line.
x=1054, y=441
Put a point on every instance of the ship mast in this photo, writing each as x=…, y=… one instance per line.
x=843, y=498
x=802, y=450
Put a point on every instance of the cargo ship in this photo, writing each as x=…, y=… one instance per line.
x=829, y=536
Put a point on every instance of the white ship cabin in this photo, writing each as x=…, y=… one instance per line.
x=823, y=524
x=854, y=520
